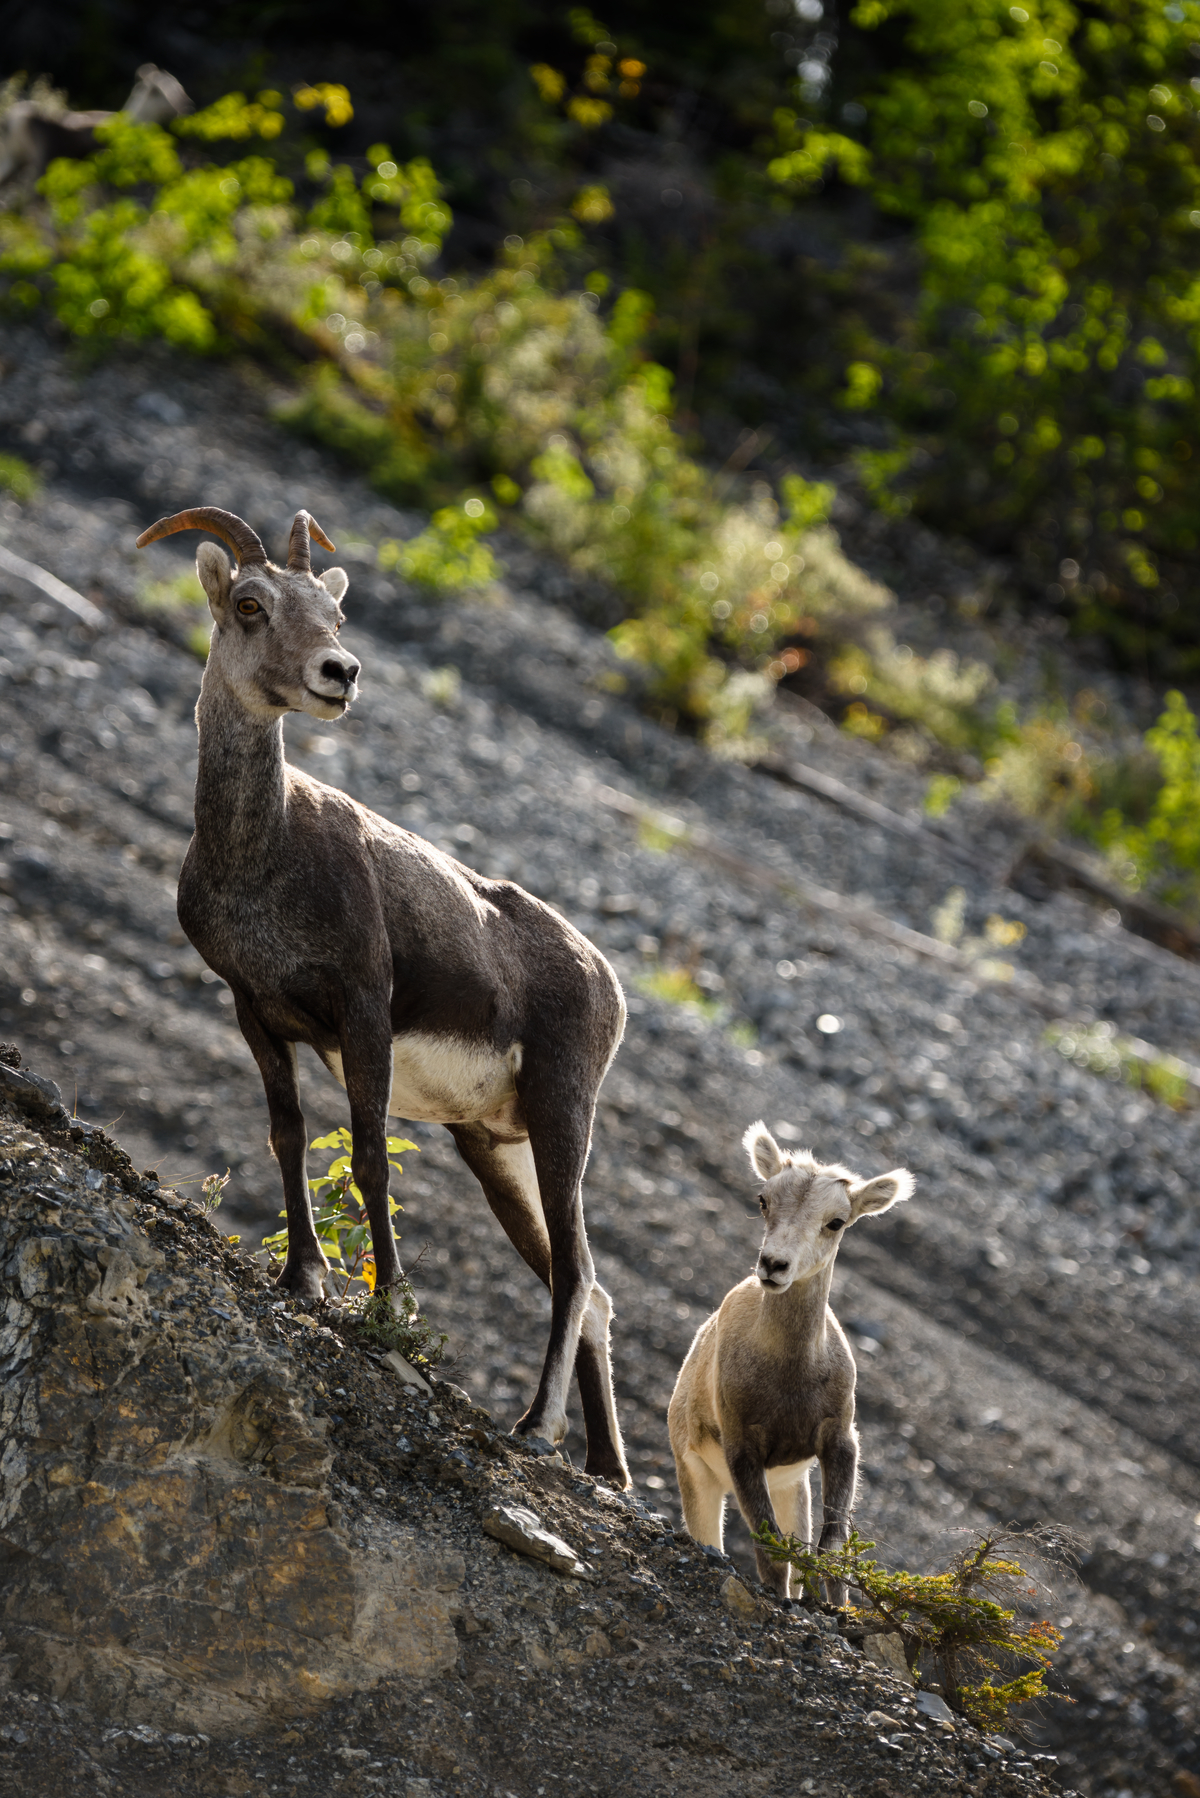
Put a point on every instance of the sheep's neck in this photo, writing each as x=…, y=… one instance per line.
x=241, y=798
x=801, y=1314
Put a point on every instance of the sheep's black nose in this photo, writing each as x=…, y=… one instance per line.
x=345, y=672
x=768, y=1264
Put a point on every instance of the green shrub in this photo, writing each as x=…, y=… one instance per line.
x=341, y=1217
x=448, y=556
x=1040, y=383
x=1100, y=1049
x=512, y=379
x=1164, y=852
x=959, y=1629
x=17, y=478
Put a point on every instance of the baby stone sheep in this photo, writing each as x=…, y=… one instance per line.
x=768, y=1383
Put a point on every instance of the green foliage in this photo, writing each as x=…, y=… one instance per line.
x=1164, y=852
x=340, y=1220
x=182, y=592
x=1046, y=160
x=391, y=1320
x=1102, y=1051
x=212, y=1191
x=448, y=556
x=676, y=987
x=959, y=1629
x=17, y=478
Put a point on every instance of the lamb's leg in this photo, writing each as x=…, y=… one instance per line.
x=305, y=1266
x=754, y=1502
x=793, y=1510
x=703, y=1496
x=839, y=1476
x=508, y=1176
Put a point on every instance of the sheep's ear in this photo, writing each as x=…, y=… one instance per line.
x=212, y=565
x=335, y=582
x=766, y=1157
x=880, y=1193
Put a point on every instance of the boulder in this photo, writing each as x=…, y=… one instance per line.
x=170, y=1553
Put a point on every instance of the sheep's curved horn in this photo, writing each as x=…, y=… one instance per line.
x=304, y=526
x=227, y=525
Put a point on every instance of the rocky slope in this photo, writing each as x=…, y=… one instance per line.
x=238, y=1548
x=1025, y=1326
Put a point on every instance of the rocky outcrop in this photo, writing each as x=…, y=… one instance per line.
x=169, y=1551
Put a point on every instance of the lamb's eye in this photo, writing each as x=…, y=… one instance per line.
x=835, y=1223
x=248, y=607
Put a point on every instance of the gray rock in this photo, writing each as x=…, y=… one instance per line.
x=521, y=1530
x=173, y=1558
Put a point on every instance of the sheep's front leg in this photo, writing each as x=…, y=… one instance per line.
x=367, y=1070
x=305, y=1266
x=703, y=1496
x=754, y=1502
x=839, y=1476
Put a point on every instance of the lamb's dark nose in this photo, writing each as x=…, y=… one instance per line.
x=346, y=673
x=770, y=1267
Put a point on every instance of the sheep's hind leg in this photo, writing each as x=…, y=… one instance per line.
x=508, y=1176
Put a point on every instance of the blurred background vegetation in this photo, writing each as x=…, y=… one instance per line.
x=633, y=283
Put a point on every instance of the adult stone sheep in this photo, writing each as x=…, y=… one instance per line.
x=768, y=1384
x=426, y=990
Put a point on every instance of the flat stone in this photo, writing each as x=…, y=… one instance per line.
x=522, y=1530
x=404, y=1371
x=886, y=1651
x=931, y=1704
x=741, y=1602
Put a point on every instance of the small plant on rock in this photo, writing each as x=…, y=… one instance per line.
x=340, y=1218
x=959, y=1629
x=389, y=1320
x=213, y=1191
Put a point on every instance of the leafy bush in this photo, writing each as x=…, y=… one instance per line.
x=17, y=478
x=959, y=1629
x=343, y=1230
x=1164, y=851
x=1102, y=1051
x=512, y=379
x=448, y=556
x=1041, y=384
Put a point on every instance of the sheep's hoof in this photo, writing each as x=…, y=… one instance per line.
x=302, y=1282
x=609, y=1468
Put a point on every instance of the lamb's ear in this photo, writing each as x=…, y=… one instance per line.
x=335, y=582
x=766, y=1157
x=212, y=565
x=880, y=1193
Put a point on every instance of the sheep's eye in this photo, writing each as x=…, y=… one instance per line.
x=835, y=1223
x=248, y=607
x=762, y=1205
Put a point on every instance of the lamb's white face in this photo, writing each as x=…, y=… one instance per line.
x=276, y=637
x=808, y=1205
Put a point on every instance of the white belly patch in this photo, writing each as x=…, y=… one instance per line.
x=444, y=1080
